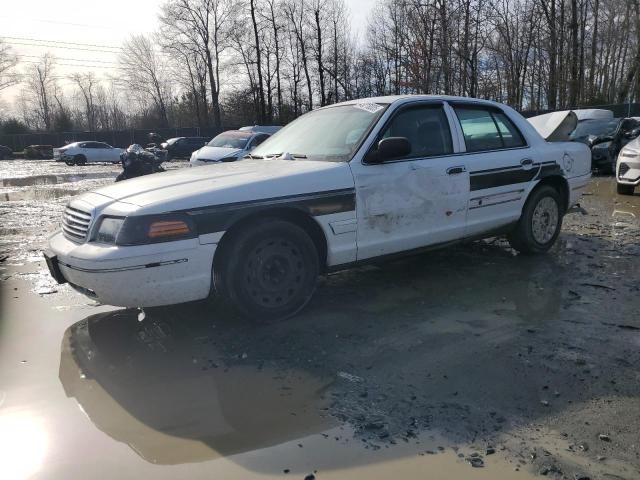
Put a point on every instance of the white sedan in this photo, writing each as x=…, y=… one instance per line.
x=81, y=153
x=342, y=185
x=228, y=147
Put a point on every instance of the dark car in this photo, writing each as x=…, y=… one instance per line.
x=5, y=153
x=182, y=147
x=606, y=138
x=38, y=152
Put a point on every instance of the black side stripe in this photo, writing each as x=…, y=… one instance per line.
x=219, y=218
x=500, y=177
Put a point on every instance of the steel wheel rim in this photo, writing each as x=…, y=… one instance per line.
x=274, y=273
x=544, y=222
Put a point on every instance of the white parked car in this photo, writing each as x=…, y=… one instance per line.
x=628, y=168
x=81, y=153
x=228, y=147
x=342, y=185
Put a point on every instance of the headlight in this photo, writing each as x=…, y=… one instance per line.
x=233, y=158
x=628, y=153
x=156, y=228
x=108, y=230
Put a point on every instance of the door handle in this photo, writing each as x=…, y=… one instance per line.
x=526, y=162
x=456, y=170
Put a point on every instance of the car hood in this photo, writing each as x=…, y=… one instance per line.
x=555, y=126
x=216, y=153
x=225, y=183
x=633, y=145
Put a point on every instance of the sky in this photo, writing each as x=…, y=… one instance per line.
x=104, y=25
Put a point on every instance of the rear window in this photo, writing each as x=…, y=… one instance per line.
x=486, y=129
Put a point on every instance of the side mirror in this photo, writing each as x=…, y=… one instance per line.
x=389, y=149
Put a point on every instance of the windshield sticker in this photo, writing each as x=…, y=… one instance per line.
x=369, y=107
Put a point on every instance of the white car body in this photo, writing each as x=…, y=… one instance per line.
x=628, y=165
x=87, y=152
x=362, y=210
x=222, y=154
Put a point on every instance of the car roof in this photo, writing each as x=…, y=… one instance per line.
x=392, y=99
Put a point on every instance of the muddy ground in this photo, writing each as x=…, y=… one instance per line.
x=469, y=362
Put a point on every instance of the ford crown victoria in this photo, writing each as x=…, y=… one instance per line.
x=345, y=184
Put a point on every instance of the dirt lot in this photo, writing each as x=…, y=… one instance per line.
x=421, y=368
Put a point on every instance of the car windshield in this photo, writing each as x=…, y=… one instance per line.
x=230, y=140
x=331, y=134
x=597, y=128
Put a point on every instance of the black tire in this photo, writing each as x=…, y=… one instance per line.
x=121, y=177
x=540, y=222
x=71, y=163
x=625, y=189
x=80, y=160
x=269, y=270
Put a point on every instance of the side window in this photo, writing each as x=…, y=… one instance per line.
x=487, y=129
x=427, y=129
x=511, y=136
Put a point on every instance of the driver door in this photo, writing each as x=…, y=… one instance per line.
x=418, y=200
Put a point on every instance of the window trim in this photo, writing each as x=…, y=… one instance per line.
x=491, y=109
x=407, y=106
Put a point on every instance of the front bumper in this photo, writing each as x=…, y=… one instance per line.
x=139, y=276
x=628, y=171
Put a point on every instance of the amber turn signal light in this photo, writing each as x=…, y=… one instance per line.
x=174, y=228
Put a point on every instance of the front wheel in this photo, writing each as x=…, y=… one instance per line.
x=540, y=223
x=625, y=189
x=269, y=271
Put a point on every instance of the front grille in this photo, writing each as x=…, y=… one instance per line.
x=75, y=224
x=624, y=168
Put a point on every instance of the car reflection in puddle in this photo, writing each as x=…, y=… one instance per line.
x=165, y=388
x=380, y=350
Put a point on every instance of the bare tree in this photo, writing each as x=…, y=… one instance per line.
x=143, y=73
x=207, y=25
x=38, y=92
x=8, y=62
x=87, y=86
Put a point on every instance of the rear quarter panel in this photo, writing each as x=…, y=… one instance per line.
x=574, y=159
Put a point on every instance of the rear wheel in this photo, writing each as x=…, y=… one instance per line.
x=540, y=223
x=269, y=271
x=80, y=160
x=625, y=189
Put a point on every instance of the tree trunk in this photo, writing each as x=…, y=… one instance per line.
x=262, y=112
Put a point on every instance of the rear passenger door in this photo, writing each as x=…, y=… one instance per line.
x=89, y=151
x=501, y=166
